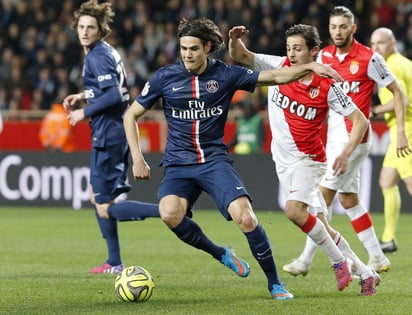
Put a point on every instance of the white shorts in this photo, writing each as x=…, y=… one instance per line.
x=349, y=182
x=301, y=179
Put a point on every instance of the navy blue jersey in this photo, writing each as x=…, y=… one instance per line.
x=103, y=69
x=196, y=108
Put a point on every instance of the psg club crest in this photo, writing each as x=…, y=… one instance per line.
x=212, y=86
x=354, y=67
x=314, y=92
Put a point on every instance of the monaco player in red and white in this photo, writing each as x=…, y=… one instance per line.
x=361, y=69
x=296, y=113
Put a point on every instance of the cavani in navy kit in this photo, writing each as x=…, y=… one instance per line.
x=196, y=94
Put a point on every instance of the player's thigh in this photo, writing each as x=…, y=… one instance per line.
x=180, y=189
x=388, y=177
x=224, y=184
x=350, y=180
x=301, y=181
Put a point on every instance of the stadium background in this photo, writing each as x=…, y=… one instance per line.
x=41, y=61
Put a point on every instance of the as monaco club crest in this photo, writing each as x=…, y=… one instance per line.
x=314, y=92
x=354, y=67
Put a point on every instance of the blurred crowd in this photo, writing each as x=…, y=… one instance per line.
x=41, y=59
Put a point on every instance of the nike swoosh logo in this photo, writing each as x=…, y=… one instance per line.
x=174, y=89
x=239, y=187
x=293, y=191
x=264, y=253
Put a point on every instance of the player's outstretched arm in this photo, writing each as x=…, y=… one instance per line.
x=141, y=169
x=237, y=49
x=289, y=74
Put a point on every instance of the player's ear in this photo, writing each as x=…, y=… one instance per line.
x=354, y=28
x=314, y=52
x=208, y=46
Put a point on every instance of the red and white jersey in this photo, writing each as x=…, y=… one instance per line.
x=297, y=111
x=361, y=68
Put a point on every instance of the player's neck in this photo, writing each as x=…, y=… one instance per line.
x=86, y=49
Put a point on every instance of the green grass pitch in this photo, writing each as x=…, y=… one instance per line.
x=46, y=254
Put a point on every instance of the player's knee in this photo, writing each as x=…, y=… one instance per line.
x=290, y=213
x=242, y=214
x=246, y=221
x=348, y=200
x=389, y=178
x=328, y=195
x=171, y=215
x=102, y=211
x=171, y=219
x=296, y=211
x=383, y=184
x=409, y=189
x=103, y=215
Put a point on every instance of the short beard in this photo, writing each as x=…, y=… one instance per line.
x=345, y=43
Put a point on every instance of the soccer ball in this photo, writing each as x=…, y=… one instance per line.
x=134, y=284
x=243, y=148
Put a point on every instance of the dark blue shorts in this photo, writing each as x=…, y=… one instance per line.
x=108, y=172
x=219, y=179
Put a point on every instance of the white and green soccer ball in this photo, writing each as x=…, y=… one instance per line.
x=134, y=284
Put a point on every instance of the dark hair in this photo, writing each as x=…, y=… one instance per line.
x=102, y=12
x=308, y=32
x=204, y=29
x=342, y=11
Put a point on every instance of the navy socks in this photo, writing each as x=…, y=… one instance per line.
x=261, y=249
x=108, y=228
x=127, y=210
x=191, y=233
x=130, y=210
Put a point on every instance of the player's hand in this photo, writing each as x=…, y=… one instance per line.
x=326, y=71
x=75, y=116
x=71, y=100
x=141, y=170
x=402, y=146
x=340, y=165
x=237, y=32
